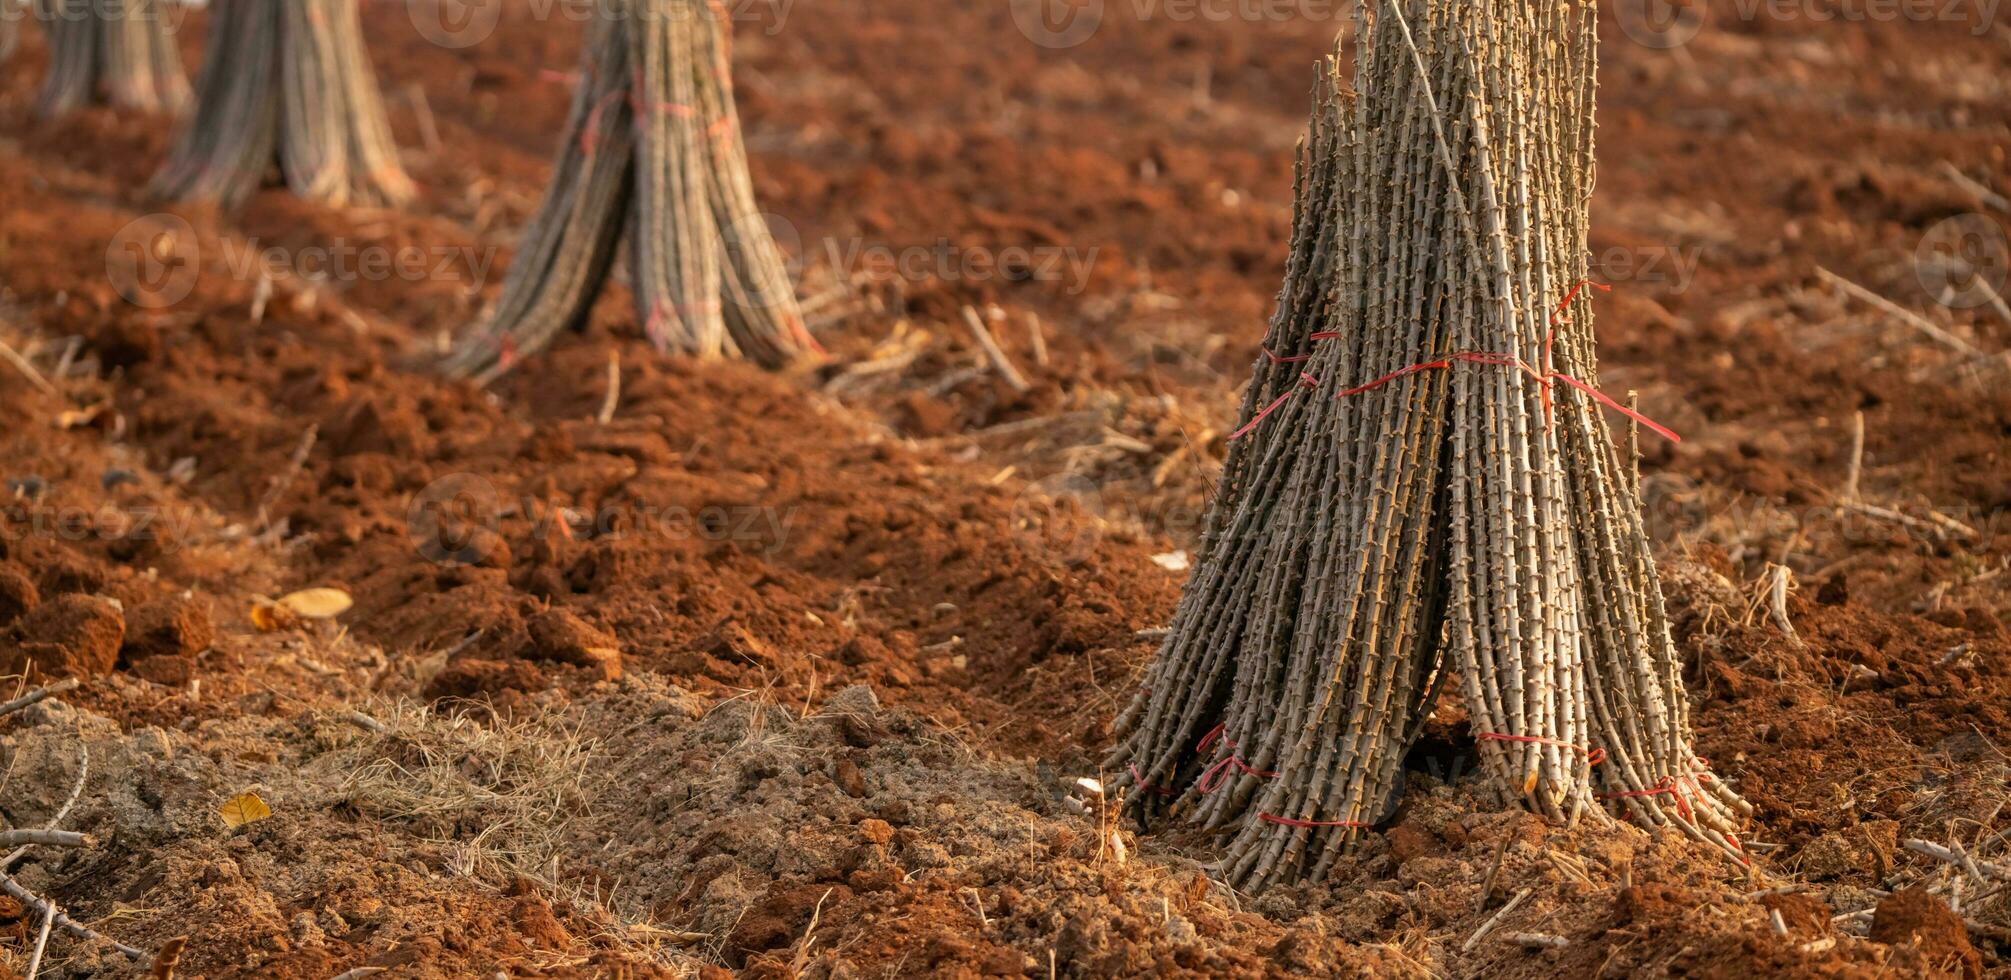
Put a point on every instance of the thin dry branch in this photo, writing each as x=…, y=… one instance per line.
x=38, y=695
x=993, y=353
x=1904, y=315
x=49, y=838
x=27, y=370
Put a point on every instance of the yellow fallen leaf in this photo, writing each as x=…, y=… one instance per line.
x=242, y=809
x=79, y=417
x=269, y=616
x=317, y=603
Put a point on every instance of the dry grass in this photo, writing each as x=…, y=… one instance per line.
x=498, y=795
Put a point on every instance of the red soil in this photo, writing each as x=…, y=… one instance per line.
x=733, y=532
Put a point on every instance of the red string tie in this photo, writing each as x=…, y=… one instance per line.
x=590, y=130
x=1215, y=775
x=1305, y=381
x=1668, y=786
x=1273, y=818
x=1209, y=739
x=1510, y=360
x=1557, y=316
x=1139, y=778
x=1280, y=359
x=1593, y=756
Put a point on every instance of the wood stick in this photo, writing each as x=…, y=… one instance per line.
x=1903, y=314
x=1493, y=872
x=1038, y=336
x=38, y=695
x=429, y=130
x=35, y=902
x=996, y=356
x=613, y=398
x=1976, y=187
x=1535, y=940
x=51, y=838
x=1492, y=921
x=1850, y=483
x=76, y=791
x=41, y=942
x=1941, y=853
x=1940, y=524
x=27, y=370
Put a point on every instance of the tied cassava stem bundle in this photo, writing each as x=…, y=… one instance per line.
x=287, y=84
x=1419, y=491
x=120, y=51
x=653, y=146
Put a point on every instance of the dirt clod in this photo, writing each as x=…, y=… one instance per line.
x=72, y=635
x=1913, y=916
x=169, y=627
x=18, y=594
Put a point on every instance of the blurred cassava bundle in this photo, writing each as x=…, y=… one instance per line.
x=10, y=28
x=653, y=147
x=287, y=84
x=1426, y=487
x=120, y=51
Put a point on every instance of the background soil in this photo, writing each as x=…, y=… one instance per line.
x=795, y=674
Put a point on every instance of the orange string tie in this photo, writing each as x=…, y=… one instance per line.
x=1593, y=756
x=1305, y=381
